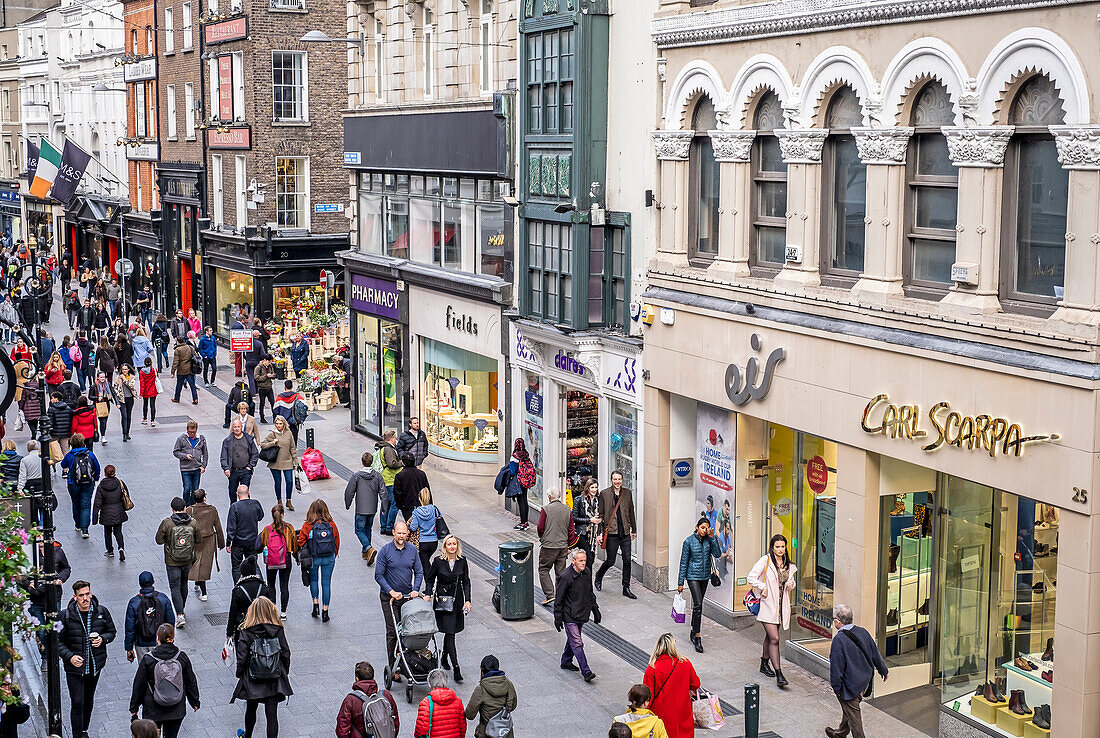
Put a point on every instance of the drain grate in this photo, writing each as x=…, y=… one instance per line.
x=218, y=619
x=173, y=419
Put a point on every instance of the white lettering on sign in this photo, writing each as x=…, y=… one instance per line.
x=374, y=296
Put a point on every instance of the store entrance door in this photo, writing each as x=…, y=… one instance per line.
x=185, y=287
x=581, y=439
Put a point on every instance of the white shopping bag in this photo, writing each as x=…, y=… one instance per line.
x=229, y=654
x=679, y=608
x=301, y=481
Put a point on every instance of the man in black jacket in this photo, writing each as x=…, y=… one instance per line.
x=242, y=529
x=574, y=602
x=59, y=419
x=238, y=459
x=238, y=394
x=853, y=661
x=86, y=629
x=413, y=441
x=38, y=591
x=407, y=485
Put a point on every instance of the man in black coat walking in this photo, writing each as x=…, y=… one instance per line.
x=413, y=441
x=574, y=602
x=853, y=661
x=86, y=629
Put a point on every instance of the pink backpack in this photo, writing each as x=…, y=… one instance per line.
x=74, y=353
x=276, y=548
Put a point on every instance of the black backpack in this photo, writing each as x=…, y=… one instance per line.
x=83, y=472
x=150, y=616
x=263, y=659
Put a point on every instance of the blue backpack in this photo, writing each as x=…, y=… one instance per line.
x=322, y=539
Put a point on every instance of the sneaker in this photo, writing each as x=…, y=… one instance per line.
x=153, y=424
x=103, y=440
x=194, y=402
x=145, y=422
x=84, y=533
x=181, y=620
x=518, y=526
x=205, y=384
x=282, y=615
x=202, y=598
x=121, y=555
x=196, y=587
x=109, y=554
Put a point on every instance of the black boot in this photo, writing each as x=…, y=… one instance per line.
x=766, y=667
x=316, y=610
x=698, y=641
x=457, y=674
x=780, y=680
x=444, y=662
x=324, y=615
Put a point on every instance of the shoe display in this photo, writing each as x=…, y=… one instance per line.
x=991, y=693
x=899, y=506
x=1041, y=718
x=894, y=551
x=1048, y=675
x=892, y=617
x=1017, y=703
x=1048, y=654
x=1023, y=664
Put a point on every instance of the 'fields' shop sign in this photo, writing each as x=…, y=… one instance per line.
x=375, y=296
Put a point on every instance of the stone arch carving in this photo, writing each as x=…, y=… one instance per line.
x=916, y=63
x=695, y=79
x=1031, y=50
x=834, y=67
x=760, y=73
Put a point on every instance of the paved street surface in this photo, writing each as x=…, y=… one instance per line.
x=551, y=701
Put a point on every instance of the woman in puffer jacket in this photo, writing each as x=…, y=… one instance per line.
x=441, y=713
x=84, y=420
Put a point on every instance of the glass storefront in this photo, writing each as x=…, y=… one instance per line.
x=231, y=290
x=907, y=555
x=582, y=433
x=623, y=442
x=287, y=296
x=460, y=402
x=381, y=380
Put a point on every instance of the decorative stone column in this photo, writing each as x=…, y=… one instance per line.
x=883, y=151
x=801, y=150
x=672, y=149
x=1079, y=152
x=731, y=151
x=979, y=153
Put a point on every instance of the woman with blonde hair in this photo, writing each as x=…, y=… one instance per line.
x=671, y=680
x=448, y=581
x=423, y=521
x=263, y=665
x=320, y=540
x=285, y=461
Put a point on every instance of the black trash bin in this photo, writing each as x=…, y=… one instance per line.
x=517, y=580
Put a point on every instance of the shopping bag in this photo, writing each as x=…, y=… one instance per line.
x=314, y=464
x=229, y=654
x=679, y=608
x=752, y=602
x=301, y=481
x=55, y=452
x=707, y=711
x=158, y=385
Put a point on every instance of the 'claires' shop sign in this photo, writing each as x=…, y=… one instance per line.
x=567, y=363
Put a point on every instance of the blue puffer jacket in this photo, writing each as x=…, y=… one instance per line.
x=695, y=558
x=208, y=347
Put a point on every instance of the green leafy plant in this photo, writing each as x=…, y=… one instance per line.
x=14, y=565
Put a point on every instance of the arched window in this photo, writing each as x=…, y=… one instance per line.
x=1036, y=198
x=705, y=184
x=932, y=205
x=845, y=188
x=769, y=177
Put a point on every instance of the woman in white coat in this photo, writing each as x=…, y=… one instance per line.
x=772, y=578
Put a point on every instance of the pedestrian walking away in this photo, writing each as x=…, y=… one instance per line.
x=387, y=462
x=280, y=544
x=574, y=603
x=84, y=421
x=161, y=336
x=697, y=557
x=127, y=390
x=149, y=382
x=772, y=579
x=493, y=701
x=106, y=359
x=407, y=485
x=239, y=457
x=638, y=717
x=399, y=576
x=367, y=712
x=320, y=537
x=447, y=580
x=515, y=478
x=242, y=529
x=38, y=589
x=672, y=682
x=29, y=480
x=207, y=522
x=164, y=685
x=853, y=660
x=145, y=613
x=16, y=710
x=193, y=455
x=239, y=393
x=292, y=407
x=83, y=471
x=423, y=522
x=249, y=587
x=263, y=666
x=413, y=441
x=556, y=534
x=109, y=510
x=86, y=629
x=178, y=536
x=208, y=351
x=619, y=529
x=185, y=360
x=279, y=450
x=440, y=714
x=366, y=489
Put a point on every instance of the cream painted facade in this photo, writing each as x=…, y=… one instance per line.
x=979, y=336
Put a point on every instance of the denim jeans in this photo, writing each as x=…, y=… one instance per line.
x=574, y=646
x=237, y=477
x=147, y=317
x=177, y=584
x=363, y=524
x=81, y=495
x=191, y=481
x=322, y=565
x=186, y=379
x=390, y=516
x=280, y=476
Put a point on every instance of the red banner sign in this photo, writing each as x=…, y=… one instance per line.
x=234, y=138
x=225, y=87
x=230, y=30
x=817, y=474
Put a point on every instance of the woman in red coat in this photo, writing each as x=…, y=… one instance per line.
x=671, y=680
x=147, y=388
x=441, y=713
x=84, y=420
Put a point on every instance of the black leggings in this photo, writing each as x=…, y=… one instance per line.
x=209, y=366
x=426, y=550
x=126, y=413
x=524, y=507
x=449, y=646
x=698, y=588
x=149, y=408
x=116, y=530
x=269, y=395
x=283, y=575
x=271, y=712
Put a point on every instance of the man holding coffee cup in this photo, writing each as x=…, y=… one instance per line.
x=86, y=629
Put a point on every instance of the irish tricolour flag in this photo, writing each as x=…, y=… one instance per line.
x=49, y=160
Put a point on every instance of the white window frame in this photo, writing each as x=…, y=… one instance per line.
x=304, y=212
x=150, y=43
x=303, y=116
x=486, y=43
x=379, y=62
x=170, y=111
x=6, y=96
x=140, y=107
x=188, y=30
x=240, y=180
x=137, y=184
x=429, y=55
x=189, y=110
x=213, y=7
x=238, y=85
x=169, y=32
x=217, y=189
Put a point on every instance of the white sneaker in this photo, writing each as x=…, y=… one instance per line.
x=202, y=598
x=103, y=440
x=180, y=621
x=282, y=614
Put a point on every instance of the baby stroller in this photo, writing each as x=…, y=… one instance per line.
x=417, y=652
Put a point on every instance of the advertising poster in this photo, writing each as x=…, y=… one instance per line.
x=389, y=377
x=714, y=491
x=532, y=431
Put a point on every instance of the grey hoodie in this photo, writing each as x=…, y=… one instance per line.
x=366, y=487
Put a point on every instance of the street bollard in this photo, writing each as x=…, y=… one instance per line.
x=752, y=710
x=309, y=438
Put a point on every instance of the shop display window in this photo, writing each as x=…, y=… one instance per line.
x=623, y=443
x=907, y=558
x=533, y=403
x=582, y=425
x=460, y=402
x=287, y=296
x=230, y=290
x=369, y=360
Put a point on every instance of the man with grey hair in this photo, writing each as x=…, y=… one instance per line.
x=853, y=661
x=556, y=532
